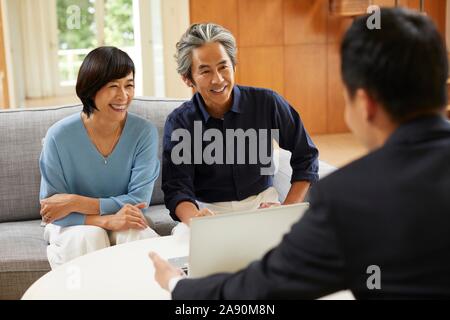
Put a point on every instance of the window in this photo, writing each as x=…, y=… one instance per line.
x=86, y=24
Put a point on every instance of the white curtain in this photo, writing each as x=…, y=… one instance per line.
x=38, y=22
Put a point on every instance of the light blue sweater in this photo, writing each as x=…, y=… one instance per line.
x=70, y=163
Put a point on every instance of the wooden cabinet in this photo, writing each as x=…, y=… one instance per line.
x=359, y=7
x=348, y=8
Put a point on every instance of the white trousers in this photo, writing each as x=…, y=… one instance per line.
x=250, y=203
x=68, y=243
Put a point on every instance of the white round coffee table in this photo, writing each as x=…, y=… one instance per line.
x=118, y=272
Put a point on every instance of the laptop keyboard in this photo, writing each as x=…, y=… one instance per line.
x=180, y=262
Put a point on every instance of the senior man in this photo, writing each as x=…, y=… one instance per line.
x=205, y=170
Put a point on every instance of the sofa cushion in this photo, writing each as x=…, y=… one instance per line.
x=159, y=219
x=155, y=111
x=21, y=134
x=282, y=178
x=22, y=247
x=15, y=283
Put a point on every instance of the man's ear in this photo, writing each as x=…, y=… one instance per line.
x=368, y=104
x=187, y=81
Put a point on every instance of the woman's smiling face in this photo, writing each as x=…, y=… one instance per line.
x=114, y=98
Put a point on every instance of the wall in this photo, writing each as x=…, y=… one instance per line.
x=175, y=22
x=292, y=47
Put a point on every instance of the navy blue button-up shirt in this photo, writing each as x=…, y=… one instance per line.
x=231, y=179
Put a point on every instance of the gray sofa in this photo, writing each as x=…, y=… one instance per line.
x=22, y=248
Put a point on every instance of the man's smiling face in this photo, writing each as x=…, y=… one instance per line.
x=213, y=75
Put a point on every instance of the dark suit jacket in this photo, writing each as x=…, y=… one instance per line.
x=390, y=209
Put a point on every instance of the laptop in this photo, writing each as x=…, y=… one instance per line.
x=229, y=242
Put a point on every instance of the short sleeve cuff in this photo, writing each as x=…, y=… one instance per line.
x=174, y=203
x=304, y=176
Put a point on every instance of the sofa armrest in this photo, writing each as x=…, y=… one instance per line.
x=282, y=177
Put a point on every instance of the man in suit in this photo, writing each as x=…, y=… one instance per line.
x=379, y=226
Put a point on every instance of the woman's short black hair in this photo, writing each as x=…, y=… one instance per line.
x=101, y=65
x=403, y=65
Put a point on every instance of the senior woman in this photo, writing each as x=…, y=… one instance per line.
x=99, y=166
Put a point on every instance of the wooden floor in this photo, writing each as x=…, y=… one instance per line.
x=338, y=149
x=51, y=101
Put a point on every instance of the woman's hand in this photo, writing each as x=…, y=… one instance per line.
x=57, y=207
x=129, y=217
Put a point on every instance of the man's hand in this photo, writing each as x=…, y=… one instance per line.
x=186, y=210
x=164, y=271
x=265, y=205
x=129, y=217
x=57, y=207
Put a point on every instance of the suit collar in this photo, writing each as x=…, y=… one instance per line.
x=420, y=129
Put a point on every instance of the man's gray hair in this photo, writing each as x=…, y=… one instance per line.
x=197, y=35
